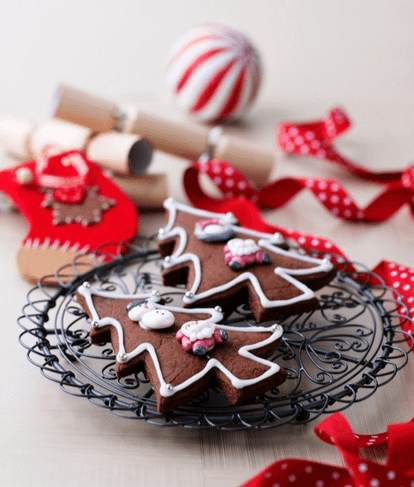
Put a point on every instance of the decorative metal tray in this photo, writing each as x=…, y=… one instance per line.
x=335, y=356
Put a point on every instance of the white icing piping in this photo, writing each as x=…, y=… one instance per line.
x=172, y=206
x=180, y=232
x=155, y=298
x=167, y=390
x=172, y=261
x=265, y=240
x=248, y=276
x=322, y=265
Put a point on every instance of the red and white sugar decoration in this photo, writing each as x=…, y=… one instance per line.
x=214, y=73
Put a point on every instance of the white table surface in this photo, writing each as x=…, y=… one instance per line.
x=358, y=54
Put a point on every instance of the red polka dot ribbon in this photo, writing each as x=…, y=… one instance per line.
x=398, y=470
x=331, y=194
x=315, y=139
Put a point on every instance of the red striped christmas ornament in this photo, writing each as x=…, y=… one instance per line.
x=214, y=73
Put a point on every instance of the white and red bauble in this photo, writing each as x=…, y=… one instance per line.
x=214, y=73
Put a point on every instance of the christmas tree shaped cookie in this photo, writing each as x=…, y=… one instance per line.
x=221, y=263
x=182, y=351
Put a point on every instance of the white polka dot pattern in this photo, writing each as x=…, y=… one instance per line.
x=332, y=195
x=315, y=139
x=357, y=472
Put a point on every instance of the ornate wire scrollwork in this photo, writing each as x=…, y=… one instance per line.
x=335, y=356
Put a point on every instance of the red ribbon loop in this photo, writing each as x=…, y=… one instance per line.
x=315, y=138
x=359, y=471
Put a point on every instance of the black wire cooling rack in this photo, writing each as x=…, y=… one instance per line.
x=335, y=356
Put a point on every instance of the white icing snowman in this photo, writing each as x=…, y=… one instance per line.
x=137, y=309
x=156, y=319
x=148, y=316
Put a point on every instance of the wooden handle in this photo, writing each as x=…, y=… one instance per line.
x=84, y=108
x=189, y=140
x=181, y=139
x=147, y=191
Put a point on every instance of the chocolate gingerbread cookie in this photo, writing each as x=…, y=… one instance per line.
x=221, y=263
x=183, y=352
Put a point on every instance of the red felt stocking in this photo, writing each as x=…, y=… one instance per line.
x=71, y=207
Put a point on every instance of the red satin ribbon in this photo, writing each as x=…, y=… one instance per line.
x=398, y=470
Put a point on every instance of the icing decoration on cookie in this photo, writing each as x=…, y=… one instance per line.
x=146, y=314
x=213, y=230
x=284, y=286
x=239, y=366
x=238, y=253
x=200, y=336
x=157, y=319
x=136, y=309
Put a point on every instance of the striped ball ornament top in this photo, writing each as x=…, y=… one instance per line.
x=214, y=73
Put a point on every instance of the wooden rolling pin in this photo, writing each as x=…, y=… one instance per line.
x=187, y=140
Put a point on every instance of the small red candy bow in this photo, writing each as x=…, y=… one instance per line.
x=398, y=470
